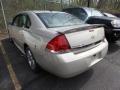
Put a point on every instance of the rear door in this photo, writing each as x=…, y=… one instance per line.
x=24, y=25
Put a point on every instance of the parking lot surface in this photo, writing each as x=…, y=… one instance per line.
x=103, y=76
x=5, y=81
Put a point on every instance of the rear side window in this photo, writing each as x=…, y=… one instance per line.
x=22, y=20
x=19, y=20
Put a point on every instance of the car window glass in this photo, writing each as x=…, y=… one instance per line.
x=82, y=14
x=79, y=13
x=28, y=22
x=95, y=13
x=22, y=21
x=15, y=21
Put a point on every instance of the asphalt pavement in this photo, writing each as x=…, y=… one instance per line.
x=105, y=75
x=5, y=80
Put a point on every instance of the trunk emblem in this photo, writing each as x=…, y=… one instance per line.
x=91, y=30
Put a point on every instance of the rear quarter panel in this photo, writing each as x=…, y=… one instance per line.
x=37, y=43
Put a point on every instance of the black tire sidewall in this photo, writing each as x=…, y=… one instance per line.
x=35, y=69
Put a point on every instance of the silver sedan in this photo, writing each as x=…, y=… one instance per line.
x=58, y=42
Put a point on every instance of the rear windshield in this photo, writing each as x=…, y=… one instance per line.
x=52, y=20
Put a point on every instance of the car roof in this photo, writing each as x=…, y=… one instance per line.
x=86, y=8
x=40, y=11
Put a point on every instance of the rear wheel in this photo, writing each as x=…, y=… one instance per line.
x=31, y=60
x=111, y=36
x=116, y=36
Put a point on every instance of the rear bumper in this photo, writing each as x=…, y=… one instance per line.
x=70, y=64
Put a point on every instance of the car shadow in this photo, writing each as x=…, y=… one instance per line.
x=43, y=80
x=113, y=47
x=47, y=81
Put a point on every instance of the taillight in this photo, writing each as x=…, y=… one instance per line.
x=59, y=43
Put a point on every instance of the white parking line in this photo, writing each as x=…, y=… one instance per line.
x=10, y=69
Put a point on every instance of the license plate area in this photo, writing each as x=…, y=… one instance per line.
x=96, y=56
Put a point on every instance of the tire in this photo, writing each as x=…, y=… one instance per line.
x=110, y=35
x=113, y=39
x=31, y=60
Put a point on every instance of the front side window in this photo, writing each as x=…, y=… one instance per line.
x=52, y=20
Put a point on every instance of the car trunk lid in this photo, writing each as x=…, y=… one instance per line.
x=83, y=36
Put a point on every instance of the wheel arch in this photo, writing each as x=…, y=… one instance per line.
x=25, y=46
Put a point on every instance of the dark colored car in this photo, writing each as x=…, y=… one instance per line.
x=117, y=14
x=109, y=15
x=93, y=16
